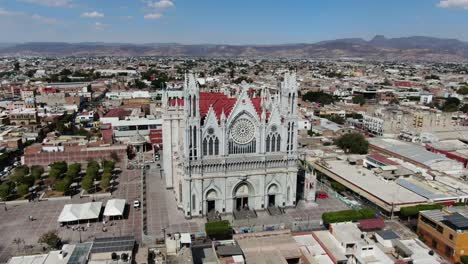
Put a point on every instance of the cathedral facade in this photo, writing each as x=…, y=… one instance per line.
x=224, y=153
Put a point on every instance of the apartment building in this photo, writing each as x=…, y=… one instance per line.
x=446, y=231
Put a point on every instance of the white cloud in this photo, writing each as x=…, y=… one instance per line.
x=22, y=15
x=100, y=26
x=4, y=12
x=153, y=16
x=453, y=4
x=162, y=4
x=51, y=3
x=93, y=14
x=45, y=20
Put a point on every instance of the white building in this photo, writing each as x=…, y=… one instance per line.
x=374, y=125
x=228, y=153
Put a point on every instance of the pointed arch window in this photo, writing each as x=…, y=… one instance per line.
x=210, y=145
x=268, y=144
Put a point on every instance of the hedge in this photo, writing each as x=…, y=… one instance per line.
x=413, y=211
x=219, y=230
x=347, y=216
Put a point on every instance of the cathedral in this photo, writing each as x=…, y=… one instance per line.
x=223, y=153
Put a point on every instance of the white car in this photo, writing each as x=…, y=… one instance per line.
x=136, y=204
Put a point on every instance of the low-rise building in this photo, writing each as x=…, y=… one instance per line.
x=446, y=231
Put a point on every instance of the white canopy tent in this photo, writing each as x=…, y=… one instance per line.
x=115, y=207
x=78, y=212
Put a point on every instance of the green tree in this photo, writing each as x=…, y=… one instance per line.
x=73, y=171
x=87, y=183
x=464, y=108
x=51, y=239
x=21, y=171
x=318, y=97
x=37, y=171
x=451, y=104
x=63, y=185
x=359, y=99
x=22, y=189
x=105, y=180
x=4, y=191
x=61, y=166
x=463, y=90
x=55, y=174
x=354, y=143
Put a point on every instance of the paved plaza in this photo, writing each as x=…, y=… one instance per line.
x=15, y=224
x=161, y=213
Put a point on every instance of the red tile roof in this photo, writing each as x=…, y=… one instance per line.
x=220, y=102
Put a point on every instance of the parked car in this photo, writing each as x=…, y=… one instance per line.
x=136, y=204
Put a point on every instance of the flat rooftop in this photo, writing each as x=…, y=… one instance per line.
x=362, y=178
x=268, y=247
x=408, y=150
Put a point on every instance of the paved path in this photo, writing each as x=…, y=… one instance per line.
x=162, y=211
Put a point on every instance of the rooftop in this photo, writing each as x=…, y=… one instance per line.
x=390, y=192
x=408, y=150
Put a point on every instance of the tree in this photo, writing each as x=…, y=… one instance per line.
x=87, y=183
x=61, y=166
x=463, y=90
x=318, y=97
x=51, y=239
x=4, y=191
x=63, y=185
x=36, y=171
x=359, y=99
x=22, y=189
x=55, y=173
x=451, y=104
x=464, y=108
x=73, y=171
x=105, y=180
x=354, y=143
x=115, y=156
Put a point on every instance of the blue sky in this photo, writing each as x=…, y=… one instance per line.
x=228, y=21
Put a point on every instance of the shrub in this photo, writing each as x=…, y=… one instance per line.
x=219, y=230
x=347, y=216
x=413, y=211
x=22, y=170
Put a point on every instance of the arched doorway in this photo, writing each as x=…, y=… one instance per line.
x=211, y=197
x=241, y=196
x=272, y=193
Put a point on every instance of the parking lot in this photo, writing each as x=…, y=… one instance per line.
x=15, y=223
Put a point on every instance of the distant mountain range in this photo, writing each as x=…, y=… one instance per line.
x=416, y=48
